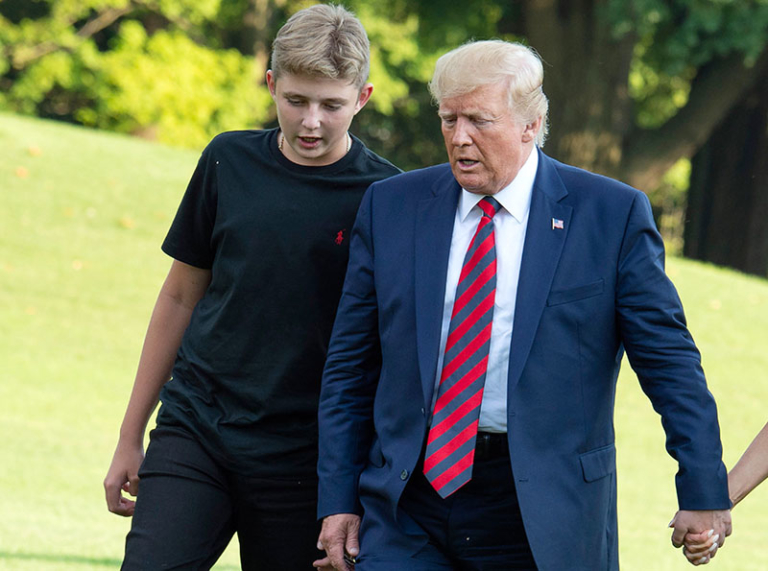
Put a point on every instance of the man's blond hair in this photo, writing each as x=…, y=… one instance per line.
x=475, y=64
x=323, y=41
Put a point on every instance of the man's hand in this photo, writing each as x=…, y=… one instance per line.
x=700, y=533
x=337, y=537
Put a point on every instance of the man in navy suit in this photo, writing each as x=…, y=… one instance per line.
x=466, y=414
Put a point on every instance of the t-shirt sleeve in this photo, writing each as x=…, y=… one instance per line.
x=189, y=239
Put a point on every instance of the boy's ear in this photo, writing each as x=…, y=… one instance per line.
x=271, y=82
x=363, y=97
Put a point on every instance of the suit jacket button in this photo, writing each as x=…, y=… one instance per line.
x=404, y=475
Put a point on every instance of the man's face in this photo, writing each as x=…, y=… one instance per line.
x=314, y=114
x=486, y=145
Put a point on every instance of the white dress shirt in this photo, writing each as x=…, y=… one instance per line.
x=509, y=225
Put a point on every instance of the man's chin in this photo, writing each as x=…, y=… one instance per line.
x=471, y=184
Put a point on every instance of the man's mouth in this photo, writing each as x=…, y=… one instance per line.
x=309, y=141
x=467, y=162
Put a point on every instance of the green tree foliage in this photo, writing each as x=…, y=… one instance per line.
x=635, y=85
x=139, y=67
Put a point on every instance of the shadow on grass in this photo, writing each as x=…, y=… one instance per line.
x=54, y=558
x=77, y=560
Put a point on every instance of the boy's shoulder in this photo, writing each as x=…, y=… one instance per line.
x=376, y=162
x=240, y=138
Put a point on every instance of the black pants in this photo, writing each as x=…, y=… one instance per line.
x=478, y=527
x=189, y=507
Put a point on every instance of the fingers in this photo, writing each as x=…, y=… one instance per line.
x=116, y=502
x=702, y=553
x=700, y=559
x=132, y=485
x=126, y=507
x=700, y=542
x=323, y=564
x=339, y=537
x=113, y=495
x=335, y=551
x=351, y=546
x=703, y=538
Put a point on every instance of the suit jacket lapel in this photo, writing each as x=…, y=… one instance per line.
x=433, y=232
x=541, y=254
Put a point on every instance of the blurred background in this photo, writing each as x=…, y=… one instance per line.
x=666, y=95
x=105, y=106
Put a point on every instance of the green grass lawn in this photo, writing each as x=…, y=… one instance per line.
x=82, y=215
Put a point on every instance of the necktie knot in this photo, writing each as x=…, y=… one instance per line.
x=490, y=206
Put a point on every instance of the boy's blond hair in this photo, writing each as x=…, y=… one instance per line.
x=323, y=41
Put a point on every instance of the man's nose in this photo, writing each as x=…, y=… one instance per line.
x=461, y=135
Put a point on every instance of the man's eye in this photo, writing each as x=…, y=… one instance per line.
x=295, y=102
x=331, y=107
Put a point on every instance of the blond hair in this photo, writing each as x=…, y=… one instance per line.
x=479, y=63
x=323, y=41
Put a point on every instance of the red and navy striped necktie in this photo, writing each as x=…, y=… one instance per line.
x=451, y=442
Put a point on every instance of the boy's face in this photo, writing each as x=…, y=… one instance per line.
x=314, y=114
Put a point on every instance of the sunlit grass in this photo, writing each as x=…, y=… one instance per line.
x=82, y=215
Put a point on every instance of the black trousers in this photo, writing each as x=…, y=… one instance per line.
x=189, y=507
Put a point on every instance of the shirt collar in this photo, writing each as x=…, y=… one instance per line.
x=515, y=198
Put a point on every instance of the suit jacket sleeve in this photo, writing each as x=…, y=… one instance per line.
x=350, y=378
x=668, y=365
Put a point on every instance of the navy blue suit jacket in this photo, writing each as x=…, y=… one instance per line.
x=586, y=293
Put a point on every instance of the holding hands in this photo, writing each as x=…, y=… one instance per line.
x=700, y=533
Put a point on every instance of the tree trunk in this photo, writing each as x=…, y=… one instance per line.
x=727, y=213
x=585, y=78
x=257, y=31
x=586, y=72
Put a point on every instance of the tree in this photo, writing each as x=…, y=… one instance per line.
x=135, y=66
x=638, y=85
x=728, y=196
x=615, y=69
x=635, y=86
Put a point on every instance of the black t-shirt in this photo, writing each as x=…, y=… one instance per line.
x=276, y=237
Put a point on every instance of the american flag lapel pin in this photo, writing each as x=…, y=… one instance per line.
x=557, y=224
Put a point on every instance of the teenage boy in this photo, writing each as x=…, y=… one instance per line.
x=241, y=325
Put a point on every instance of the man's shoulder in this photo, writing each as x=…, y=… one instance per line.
x=586, y=184
x=419, y=180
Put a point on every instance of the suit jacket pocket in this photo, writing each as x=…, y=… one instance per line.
x=556, y=297
x=598, y=463
x=375, y=457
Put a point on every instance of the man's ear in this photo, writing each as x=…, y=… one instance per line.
x=363, y=97
x=271, y=82
x=531, y=130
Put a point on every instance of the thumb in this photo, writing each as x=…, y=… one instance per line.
x=678, y=536
x=352, y=545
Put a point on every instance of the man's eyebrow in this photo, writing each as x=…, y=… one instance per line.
x=468, y=113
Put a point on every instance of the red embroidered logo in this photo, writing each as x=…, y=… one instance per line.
x=339, y=237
